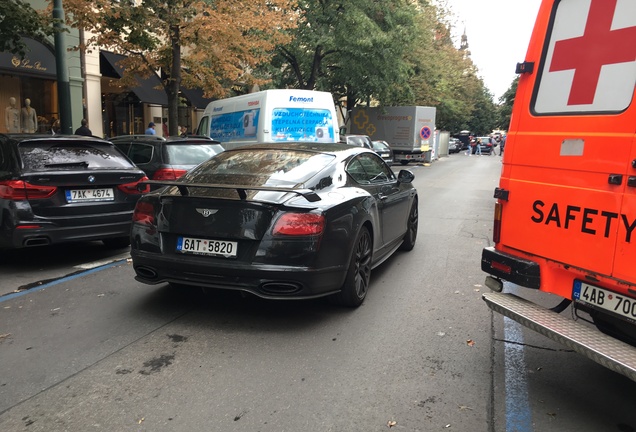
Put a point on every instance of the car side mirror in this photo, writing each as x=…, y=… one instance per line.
x=405, y=176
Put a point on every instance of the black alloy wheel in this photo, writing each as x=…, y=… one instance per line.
x=356, y=284
x=411, y=228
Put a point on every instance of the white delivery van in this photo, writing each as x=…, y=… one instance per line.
x=271, y=116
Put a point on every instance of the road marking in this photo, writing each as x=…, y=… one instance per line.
x=94, y=264
x=518, y=414
x=61, y=280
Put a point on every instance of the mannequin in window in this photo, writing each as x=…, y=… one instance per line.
x=29, y=118
x=12, y=117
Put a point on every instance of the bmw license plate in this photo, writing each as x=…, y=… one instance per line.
x=604, y=299
x=198, y=246
x=89, y=195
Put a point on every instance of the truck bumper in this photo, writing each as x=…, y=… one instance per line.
x=511, y=268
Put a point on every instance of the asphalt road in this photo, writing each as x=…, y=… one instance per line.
x=99, y=351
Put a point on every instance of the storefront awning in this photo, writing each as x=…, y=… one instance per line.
x=149, y=89
x=196, y=98
x=38, y=61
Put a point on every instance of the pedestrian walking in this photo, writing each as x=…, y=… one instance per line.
x=83, y=129
x=151, y=129
x=478, y=147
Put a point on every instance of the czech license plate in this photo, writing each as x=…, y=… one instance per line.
x=604, y=299
x=198, y=246
x=87, y=195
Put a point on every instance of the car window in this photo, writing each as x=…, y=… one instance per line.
x=358, y=141
x=374, y=170
x=123, y=147
x=378, y=145
x=5, y=159
x=357, y=172
x=140, y=153
x=51, y=155
x=260, y=167
x=190, y=154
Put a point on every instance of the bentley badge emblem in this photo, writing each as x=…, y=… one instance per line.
x=206, y=212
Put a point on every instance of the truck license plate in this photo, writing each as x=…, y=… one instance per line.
x=604, y=299
x=198, y=246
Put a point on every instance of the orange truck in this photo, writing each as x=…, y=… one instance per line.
x=565, y=211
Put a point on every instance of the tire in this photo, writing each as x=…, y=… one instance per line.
x=117, y=242
x=356, y=283
x=411, y=228
x=404, y=162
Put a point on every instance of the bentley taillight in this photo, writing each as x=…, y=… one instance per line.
x=144, y=213
x=299, y=224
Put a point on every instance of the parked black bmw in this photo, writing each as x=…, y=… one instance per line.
x=56, y=188
x=281, y=221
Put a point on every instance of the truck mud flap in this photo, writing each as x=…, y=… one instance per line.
x=604, y=350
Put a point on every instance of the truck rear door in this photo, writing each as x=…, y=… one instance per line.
x=571, y=171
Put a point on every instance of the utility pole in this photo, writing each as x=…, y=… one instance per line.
x=63, y=83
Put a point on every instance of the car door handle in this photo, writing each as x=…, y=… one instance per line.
x=615, y=179
x=631, y=181
x=382, y=196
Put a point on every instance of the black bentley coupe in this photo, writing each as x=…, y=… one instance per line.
x=280, y=221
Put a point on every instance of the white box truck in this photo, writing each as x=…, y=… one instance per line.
x=271, y=116
x=409, y=130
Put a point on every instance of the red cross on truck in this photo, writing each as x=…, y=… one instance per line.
x=565, y=210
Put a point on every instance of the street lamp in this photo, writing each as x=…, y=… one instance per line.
x=63, y=84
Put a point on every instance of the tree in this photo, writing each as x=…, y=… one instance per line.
x=353, y=48
x=505, y=105
x=211, y=44
x=19, y=19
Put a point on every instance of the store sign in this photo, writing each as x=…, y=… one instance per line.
x=39, y=60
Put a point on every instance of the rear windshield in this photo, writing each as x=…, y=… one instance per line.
x=190, y=154
x=260, y=167
x=379, y=146
x=68, y=155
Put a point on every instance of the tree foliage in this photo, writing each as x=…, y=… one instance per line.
x=211, y=44
x=17, y=19
x=505, y=105
x=352, y=48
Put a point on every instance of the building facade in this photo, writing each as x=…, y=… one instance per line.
x=96, y=92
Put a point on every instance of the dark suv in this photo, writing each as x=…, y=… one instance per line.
x=167, y=159
x=56, y=188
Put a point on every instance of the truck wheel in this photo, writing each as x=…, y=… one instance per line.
x=411, y=228
x=356, y=283
x=404, y=162
x=614, y=327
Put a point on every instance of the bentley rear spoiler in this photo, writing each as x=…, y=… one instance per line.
x=308, y=194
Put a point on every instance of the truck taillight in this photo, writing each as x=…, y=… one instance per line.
x=496, y=229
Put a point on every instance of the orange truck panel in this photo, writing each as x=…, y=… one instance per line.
x=567, y=192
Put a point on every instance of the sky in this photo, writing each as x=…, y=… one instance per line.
x=498, y=33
